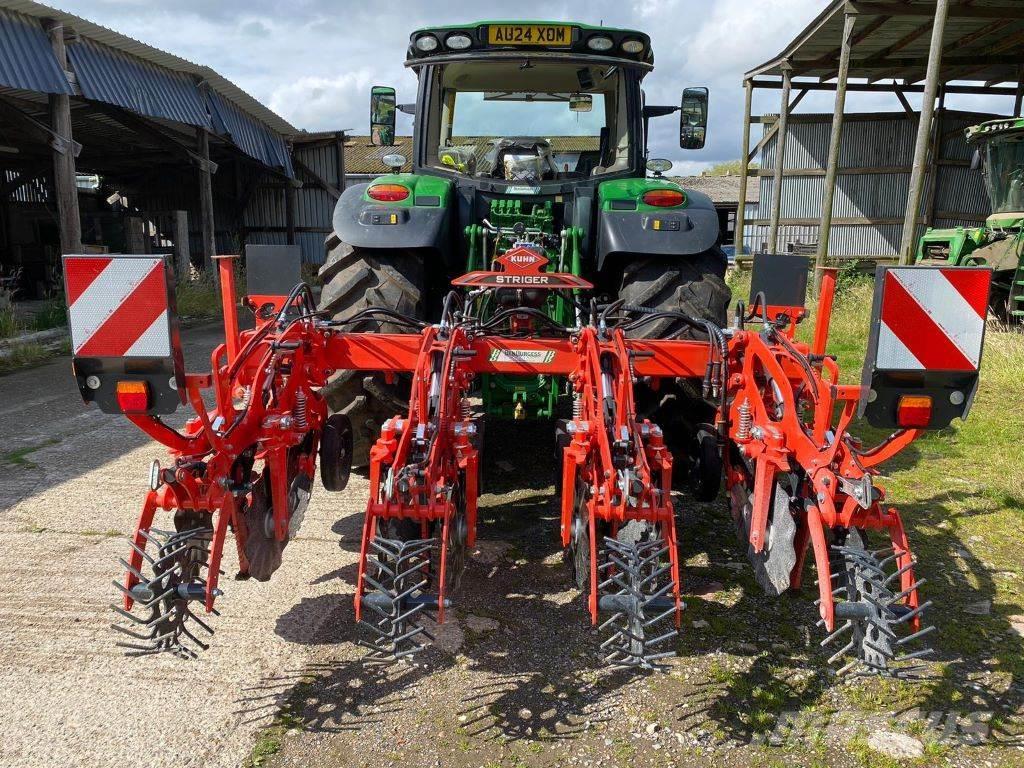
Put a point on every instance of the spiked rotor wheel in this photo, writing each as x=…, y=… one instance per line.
x=638, y=591
x=170, y=580
x=397, y=600
x=872, y=616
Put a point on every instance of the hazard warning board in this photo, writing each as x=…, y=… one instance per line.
x=927, y=336
x=123, y=327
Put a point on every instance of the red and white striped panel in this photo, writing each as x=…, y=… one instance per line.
x=118, y=306
x=932, y=319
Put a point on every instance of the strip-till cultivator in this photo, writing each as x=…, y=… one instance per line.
x=796, y=479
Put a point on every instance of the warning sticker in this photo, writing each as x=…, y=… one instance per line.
x=534, y=356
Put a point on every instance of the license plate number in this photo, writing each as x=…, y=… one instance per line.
x=529, y=34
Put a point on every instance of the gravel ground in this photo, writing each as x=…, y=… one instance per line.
x=512, y=681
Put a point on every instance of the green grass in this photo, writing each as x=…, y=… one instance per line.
x=27, y=355
x=20, y=457
x=200, y=298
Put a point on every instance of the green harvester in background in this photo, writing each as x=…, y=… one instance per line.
x=999, y=244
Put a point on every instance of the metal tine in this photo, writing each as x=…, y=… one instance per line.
x=140, y=550
x=896, y=574
x=664, y=615
x=911, y=614
x=841, y=652
x=662, y=638
x=128, y=614
x=831, y=638
x=131, y=569
x=130, y=633
x=615, y=617
x=917, y=654
x=846, y=667
x=916, y=636
x=906, y=593
x=194, y=639
x=201, y=623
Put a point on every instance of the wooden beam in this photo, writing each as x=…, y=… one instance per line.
x=65, y=187
x=903, y=100
x=780, y=160
x=741, y=209
x=289, y=213
x=206, y=217
x=954, y=11
x=339, y=156
x=907, y=242
x=175, y=146
x=832, y=166
x=316, y=177
x=975, y=90
x=770, y=133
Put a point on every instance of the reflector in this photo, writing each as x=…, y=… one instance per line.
x=133, y=396
x=914, y=411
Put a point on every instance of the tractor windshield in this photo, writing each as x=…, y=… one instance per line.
x=1004, y=173
x=528, y=122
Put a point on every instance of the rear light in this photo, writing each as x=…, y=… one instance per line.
x=914, y=411
x=388, y=193
x=133, y=396
x=663, y=198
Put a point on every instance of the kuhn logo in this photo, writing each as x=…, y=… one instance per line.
x=523, y=260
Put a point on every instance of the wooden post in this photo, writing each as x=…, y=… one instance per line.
x=339, y=153
x=206, y=203
x=924, y=127
x=741, y=210
x=934, y=160
x=289, y=212
x=780, y=159
x=64, y=188
x=182, y=251
x=135, y=234
x=835, y=142
x=1018, y=99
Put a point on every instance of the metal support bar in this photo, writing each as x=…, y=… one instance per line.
x=923, y=133
x=64, y=178
x=289, y=213
x=741, y=209
x=780, y=159
x=1018, y=99
x=832, y=168
x=206, y=203
x=339, y=151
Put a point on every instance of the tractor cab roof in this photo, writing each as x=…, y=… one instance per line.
x=555, y=40
x=994, y=127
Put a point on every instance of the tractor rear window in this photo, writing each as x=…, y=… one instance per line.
x=1004, y=175
x=528, y=124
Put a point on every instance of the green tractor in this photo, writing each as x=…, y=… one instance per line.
x=525, y=133
x=999, y=244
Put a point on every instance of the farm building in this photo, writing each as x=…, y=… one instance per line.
x=724, y=192
x=110, y=145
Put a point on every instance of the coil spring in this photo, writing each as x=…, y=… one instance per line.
x=300, y=411
x=465, y=409
x=746, y=421
x=577, y=407
x=246, y=398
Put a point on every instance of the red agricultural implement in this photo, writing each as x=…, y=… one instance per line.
x=797, y=480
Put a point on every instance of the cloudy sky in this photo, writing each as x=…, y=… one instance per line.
x=313, y=61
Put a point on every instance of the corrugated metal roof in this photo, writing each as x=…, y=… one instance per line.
x=249, y=134
x=721, y=189
x=112, y=76
x=129, y=45
x=26, y=58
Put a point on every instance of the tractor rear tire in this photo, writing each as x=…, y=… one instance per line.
x=355, y=279
x=692, y=285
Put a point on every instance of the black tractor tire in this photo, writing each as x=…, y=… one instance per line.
x=692, y=285
x=354, y=279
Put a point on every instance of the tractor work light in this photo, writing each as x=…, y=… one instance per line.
x=914, y=411
x=458, y=41
x=600, y=43
x=632, y=46
x=133, y=396
x=663, y=198
x=426, y=43
x=388, y=193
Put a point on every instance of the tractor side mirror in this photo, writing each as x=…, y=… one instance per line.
x=976, y=160
x=382, y=116
x=693, y=118
x=581, y=102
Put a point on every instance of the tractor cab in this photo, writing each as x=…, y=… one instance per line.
x=999, y=155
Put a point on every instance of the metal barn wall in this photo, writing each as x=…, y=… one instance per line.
x=264, y=219
x=869, y=206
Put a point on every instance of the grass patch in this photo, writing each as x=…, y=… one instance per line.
x=28, y=355
x=20, y=457
x=200, y=296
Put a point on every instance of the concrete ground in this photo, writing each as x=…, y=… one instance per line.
x=513, y=681
x=71, y=482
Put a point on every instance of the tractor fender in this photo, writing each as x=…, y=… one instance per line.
x=364, y=223
x=671, y=232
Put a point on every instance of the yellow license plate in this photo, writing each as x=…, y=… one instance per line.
x=530, y=34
